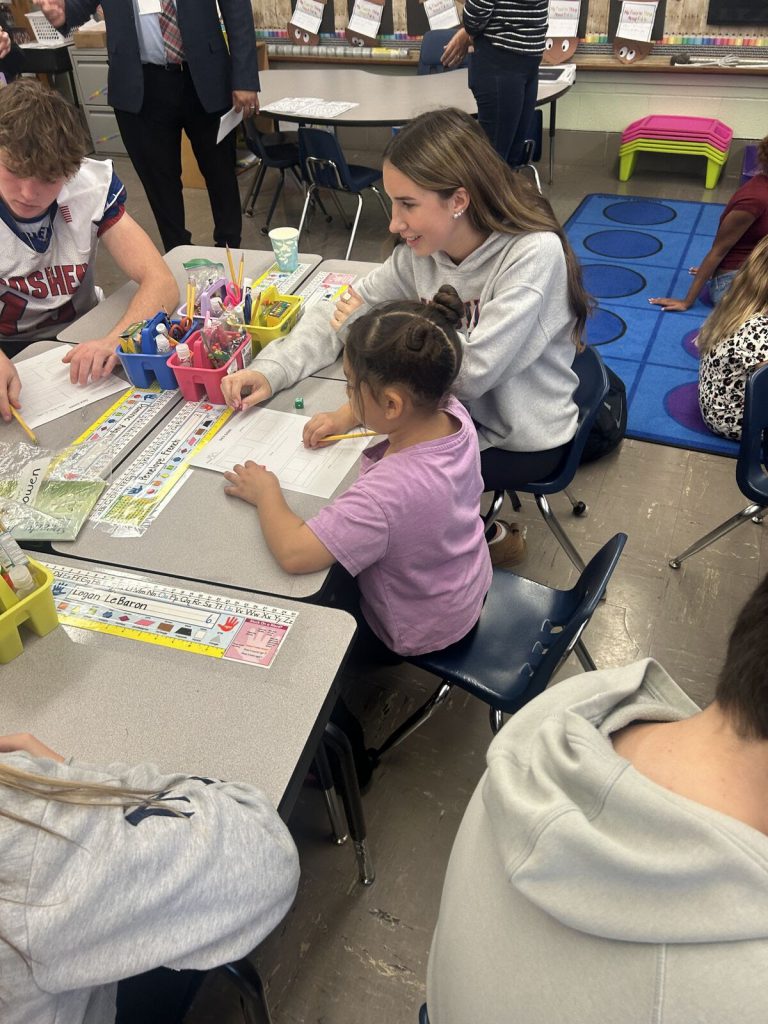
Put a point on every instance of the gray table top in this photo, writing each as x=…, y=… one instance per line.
x=360, y=268
x=203, y=535
x=381, y=99
x=103, y=698
x=59, y=433
x=102, y=317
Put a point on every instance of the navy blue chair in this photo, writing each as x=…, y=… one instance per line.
x=590, y=394
x=525, y=631
x=274, y=152
x=326, y=167
x=432, y=45
x=751, y=465
x=423, y=1015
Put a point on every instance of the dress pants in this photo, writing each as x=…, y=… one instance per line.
x=505, y=86
x=152, y=138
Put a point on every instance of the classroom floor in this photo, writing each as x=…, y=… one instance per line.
x=347, y=954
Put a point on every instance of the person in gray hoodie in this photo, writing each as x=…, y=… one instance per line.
x=109, y=873
x=612, y=863
x=468, y=221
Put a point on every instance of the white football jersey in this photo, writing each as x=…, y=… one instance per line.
x=46, y=265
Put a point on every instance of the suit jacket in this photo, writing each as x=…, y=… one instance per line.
x=215, y=70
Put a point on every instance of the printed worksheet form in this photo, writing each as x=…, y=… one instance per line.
x=46, y=391
x=273, y=439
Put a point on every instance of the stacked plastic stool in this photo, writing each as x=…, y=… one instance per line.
x=668, y=133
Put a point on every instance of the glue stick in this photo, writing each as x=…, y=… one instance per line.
x=14, y=563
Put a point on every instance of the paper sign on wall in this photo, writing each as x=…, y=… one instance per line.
x=364, y=22
x=304, y=23
x=441, y=13
x=562, y=31
x=636, y=21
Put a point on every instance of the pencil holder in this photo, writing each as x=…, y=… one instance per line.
x=218, y=289
x=143, y=368
x=262, y=334
x=37, y=610
x=199, y=379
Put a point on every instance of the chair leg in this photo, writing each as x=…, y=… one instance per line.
x=275, y=198
x=579, y=508
x=248, y=981
x=310, y=193
x=492, y=514
x=340, y=209
x=419, y=717
x=250, y=202
x=335, y=739
x=354, y=226
x=553, y=523
x=755, y=512
x=330, y=796
x=497, y=719
x=585, y=658
x=380, y=197
x=299, y=182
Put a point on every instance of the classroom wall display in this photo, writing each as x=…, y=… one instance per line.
x=632, y=27
x=367, y=21
x=567, y=25
x=306, y=21
x=441, y=14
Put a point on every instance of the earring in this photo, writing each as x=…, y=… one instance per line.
x=458, y=214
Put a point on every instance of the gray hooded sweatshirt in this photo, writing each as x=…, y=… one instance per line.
x=580, y=891
x=516, y=377
x=107, y=893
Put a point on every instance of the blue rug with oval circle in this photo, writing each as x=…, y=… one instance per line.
x=631, y=249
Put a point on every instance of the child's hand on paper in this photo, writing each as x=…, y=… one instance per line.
x=251, y=482
x=91, y=360
x=325, y=424
x=345, y=307
x=29, y=743
x=10, y=388
x=245, y=388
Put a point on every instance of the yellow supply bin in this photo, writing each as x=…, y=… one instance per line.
x=37, y=610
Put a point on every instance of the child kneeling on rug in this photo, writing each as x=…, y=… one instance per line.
x=733, y=342
x=409, y=528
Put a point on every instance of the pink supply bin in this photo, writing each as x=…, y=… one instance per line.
x=200, y=378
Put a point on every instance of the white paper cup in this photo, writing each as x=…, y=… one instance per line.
x=285, y=245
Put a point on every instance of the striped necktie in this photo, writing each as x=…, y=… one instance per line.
x=169, y=27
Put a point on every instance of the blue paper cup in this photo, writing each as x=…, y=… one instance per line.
x=285, y=245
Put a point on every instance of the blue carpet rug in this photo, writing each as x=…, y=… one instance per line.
x=630, y=249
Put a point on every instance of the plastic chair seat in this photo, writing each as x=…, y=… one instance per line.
x=282, y=155
x=362, y=177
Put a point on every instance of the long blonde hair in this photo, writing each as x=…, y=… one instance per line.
x=747, y=296
x=445, y=149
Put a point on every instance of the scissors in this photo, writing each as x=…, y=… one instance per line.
x=231, y=294
x=178, y=330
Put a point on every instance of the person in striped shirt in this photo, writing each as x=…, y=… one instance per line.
x=508, y=38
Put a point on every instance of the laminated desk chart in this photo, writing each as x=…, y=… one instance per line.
x=128, y=606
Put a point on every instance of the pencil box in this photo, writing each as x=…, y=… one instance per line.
x=199, y=379
x=36, y=611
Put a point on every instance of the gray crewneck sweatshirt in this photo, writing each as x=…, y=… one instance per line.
x=516, y=378
x=127, y=891
x=580, y=891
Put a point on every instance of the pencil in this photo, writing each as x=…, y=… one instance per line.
x=343, y=437
x=24, y=426
x=231, y=266
x=240, y=272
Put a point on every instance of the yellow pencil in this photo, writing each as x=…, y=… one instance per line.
x=24, y=426
x=240, y=272
x=343, y=437
x=231, y=266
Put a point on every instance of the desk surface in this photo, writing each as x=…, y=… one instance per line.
x=102, y=317
x=204, y=535
x=381, y=99
x=104, y=698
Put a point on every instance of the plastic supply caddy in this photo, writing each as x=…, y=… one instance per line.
x=144, y=367
x=262, y=334
x=200, y=378
x=37, y=610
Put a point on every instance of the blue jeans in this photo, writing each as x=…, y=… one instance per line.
x=719, y=285
x=504, y=85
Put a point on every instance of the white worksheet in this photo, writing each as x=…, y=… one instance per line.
x=273, y=439
x=310, y=106
x=46, y=392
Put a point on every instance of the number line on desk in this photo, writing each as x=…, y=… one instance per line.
x=134, y=498
x=185, y=620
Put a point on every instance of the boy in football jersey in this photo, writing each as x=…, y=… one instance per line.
x=55, y=205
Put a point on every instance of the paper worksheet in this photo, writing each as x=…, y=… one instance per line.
x=310, y=106
x=47, y=392
x=273, y=439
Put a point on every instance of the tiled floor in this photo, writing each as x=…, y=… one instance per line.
x=346, y=954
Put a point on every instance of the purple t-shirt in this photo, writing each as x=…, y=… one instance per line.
x=410, y=530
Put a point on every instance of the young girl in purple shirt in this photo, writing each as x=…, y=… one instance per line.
x=409, y=529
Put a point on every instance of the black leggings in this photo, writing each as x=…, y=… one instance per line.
x=161, y=996
x=507, y=471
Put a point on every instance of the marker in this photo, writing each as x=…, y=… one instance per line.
x=343, y=437
x=24, y=427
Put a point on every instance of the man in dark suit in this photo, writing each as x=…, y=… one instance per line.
x=169, y=68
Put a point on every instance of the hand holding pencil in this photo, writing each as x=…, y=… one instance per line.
x=328, y=427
